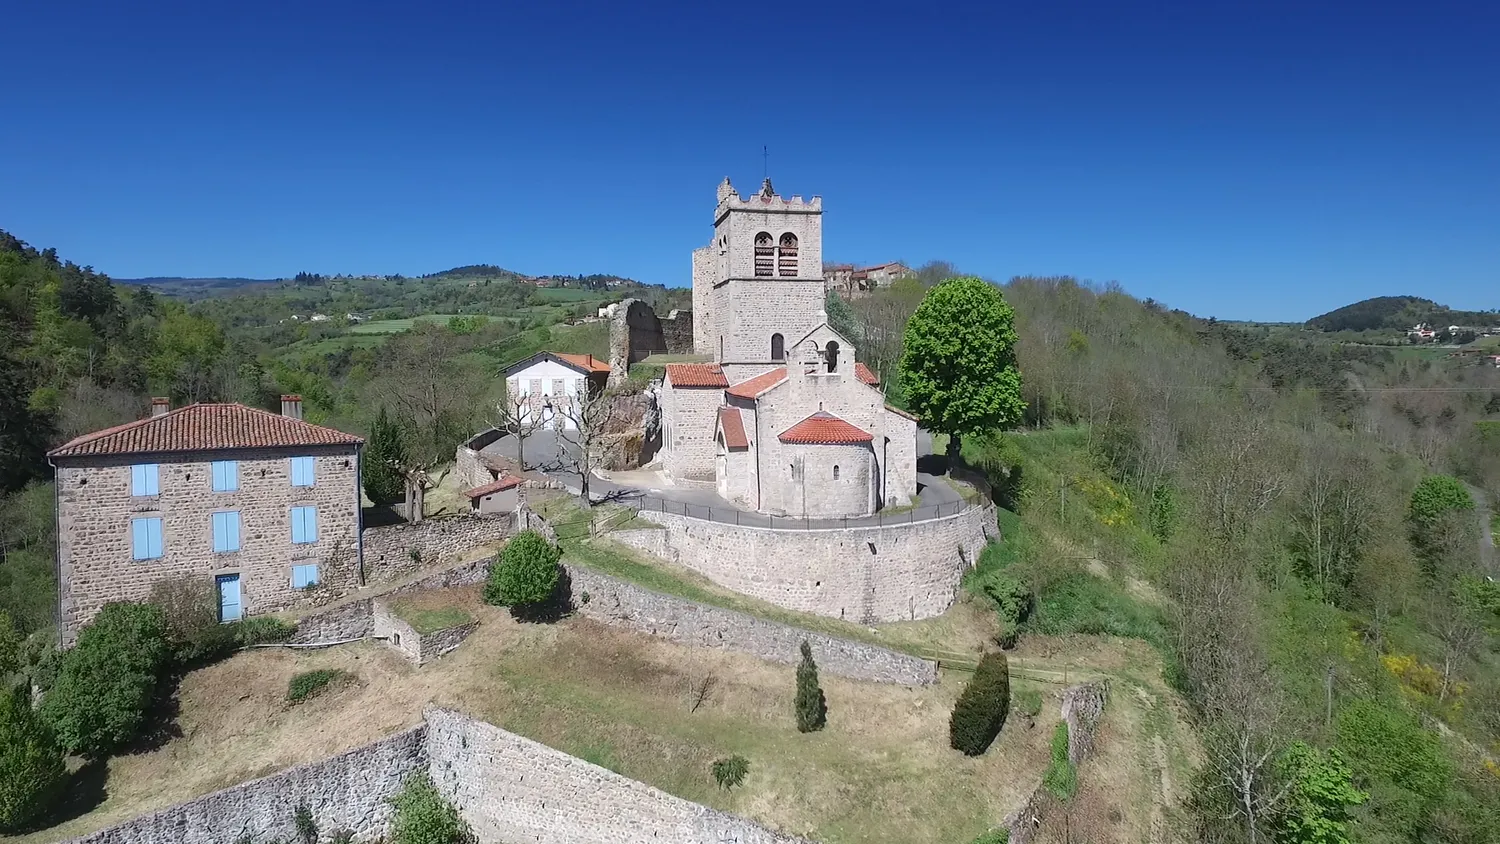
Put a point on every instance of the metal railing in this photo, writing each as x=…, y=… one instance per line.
x=732, y=516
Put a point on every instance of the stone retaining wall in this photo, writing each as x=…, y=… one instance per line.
x=509, y=788
x=435, y=644
x=621, y=604
x=895, y=572
x=349, y=791
x=356, y=619
x=1082, y=708
x=512, y=789
x=389, y=550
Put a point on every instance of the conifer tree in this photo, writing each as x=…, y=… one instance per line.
x=812, y=707
x=383, y=453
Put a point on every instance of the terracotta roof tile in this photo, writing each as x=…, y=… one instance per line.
x=696, y=375
x=865, y=374
x=752, y=387
x=734, y=428
x=588, y=363
x=203, y=427
x=503, y=483
x=823, y=428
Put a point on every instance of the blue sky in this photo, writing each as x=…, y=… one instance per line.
x=1242, y=160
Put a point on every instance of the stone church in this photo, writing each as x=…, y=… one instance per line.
x=785, y=420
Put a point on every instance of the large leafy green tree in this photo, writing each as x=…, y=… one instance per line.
x=1440, y=517
x=32, y=773
x=1319, y=794
x=958, y=370
x=107, y=681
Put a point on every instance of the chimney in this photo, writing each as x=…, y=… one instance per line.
x=291, y=407
x=160, y=405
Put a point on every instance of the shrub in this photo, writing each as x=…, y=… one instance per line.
x=261, y=630
x=310, y=684
x=1061, y=779
x=105, y=683
x=307, y=828
x=981, y=708
x=526, y=573
x=424, y=817
x=32, y=774
x=811, y=706
x=730, y=771
x=994, y=836
x=1028, y=702
x=1013, y=601
x=190, y=608
x=10, y=646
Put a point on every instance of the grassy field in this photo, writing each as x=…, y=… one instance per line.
x=880, y=772
x=396, y=326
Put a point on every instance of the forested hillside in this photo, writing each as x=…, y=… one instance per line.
x=1398, y=313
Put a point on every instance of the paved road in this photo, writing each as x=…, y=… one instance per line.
x=548, y=453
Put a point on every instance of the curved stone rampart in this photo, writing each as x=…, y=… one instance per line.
x=895, y=572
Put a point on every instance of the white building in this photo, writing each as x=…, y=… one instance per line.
x=545, y=385
x=783, y=420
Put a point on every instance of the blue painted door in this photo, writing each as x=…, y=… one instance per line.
x=229, y=597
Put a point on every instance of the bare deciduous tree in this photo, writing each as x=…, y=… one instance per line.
x=515, y=416
x=588, y=417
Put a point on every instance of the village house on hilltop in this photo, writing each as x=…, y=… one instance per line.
x=267, y=505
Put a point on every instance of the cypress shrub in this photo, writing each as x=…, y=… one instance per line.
x=812, y=707
x=106, y=682
x=981, y=707
x=32, y=774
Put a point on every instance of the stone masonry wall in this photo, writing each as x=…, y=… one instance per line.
x=894, y=572
x=356, y=619
x=95, y=508
x=388, y=550
x=435, y=644
x=622, y=604
x=386, y=625
x=349, y=791
x=512, y=789
x=1082, y=708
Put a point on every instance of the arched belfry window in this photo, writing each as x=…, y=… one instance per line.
x=765, y=254
x=778, y=347
x=786, y=256
x=831, y=355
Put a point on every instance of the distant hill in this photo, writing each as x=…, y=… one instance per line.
x=177, y=286
x=1397, y=313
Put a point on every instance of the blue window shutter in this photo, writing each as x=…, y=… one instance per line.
x=139, y=546
x=218, y=524
x=304, y=576
x=156, y=541
x=143, y=479
x=302, y=471
x=234, y=529
x=227, y=531
x=226, y=475
x=304, y=525
x=312, y=524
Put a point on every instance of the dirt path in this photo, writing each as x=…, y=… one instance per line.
x=1486, y=532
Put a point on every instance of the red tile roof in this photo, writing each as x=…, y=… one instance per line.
x=203, y=427
x=588, y=363
x=752, y=387
x=865, y=374
x=899, y=412
x=734, y=428
x=823, y=428
x=505, y=482
x=696, y=375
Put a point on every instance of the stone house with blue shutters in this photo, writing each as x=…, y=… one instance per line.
x=261, y=505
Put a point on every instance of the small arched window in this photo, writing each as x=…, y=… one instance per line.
x=835, y=471
x=778, y=347
x=786, y=256
x=831, y=355
x=765, y=254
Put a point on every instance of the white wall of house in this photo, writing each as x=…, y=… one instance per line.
x=550, y=387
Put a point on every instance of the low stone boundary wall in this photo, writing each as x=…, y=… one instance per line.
x=1082, y=708
x=865, y=574
x=621, y=604
x=433, y=645
x=507, y=787
x=356, y=619
x=349, y=791
x=394, y=551
x=511, y=788
x=417, y=647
